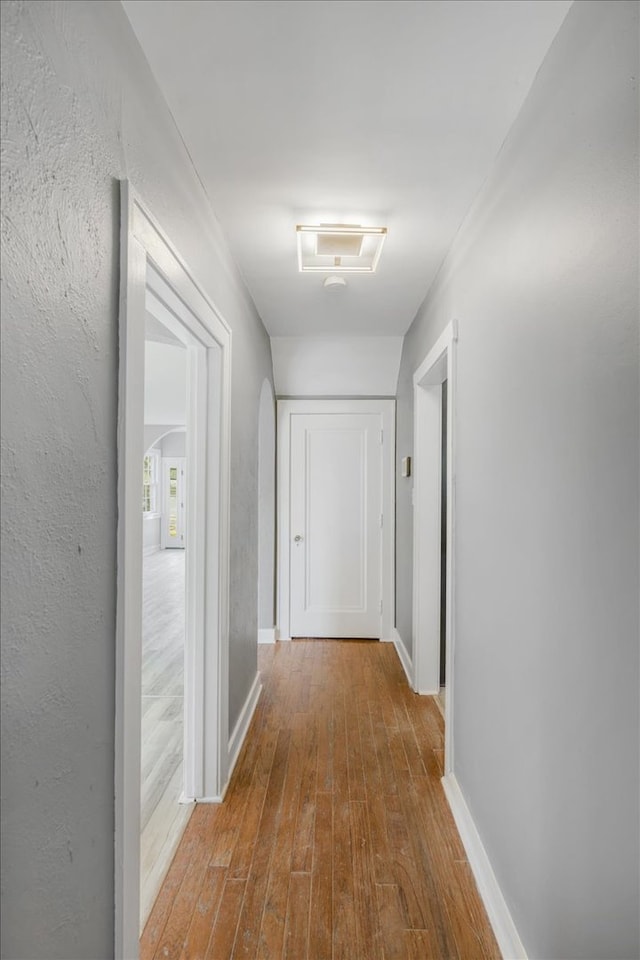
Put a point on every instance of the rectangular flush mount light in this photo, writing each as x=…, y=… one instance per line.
x=339, y=248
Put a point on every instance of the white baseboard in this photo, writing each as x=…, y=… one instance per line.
x=501, y=920
x=269, y=635
x=240, y=730
x=153, y=548
x=284, y=639
x=405, y=659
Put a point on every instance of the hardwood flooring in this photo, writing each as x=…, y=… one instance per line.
x=162, y=817
x=335, y=841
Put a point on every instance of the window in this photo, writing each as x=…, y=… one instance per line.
x=150, y=480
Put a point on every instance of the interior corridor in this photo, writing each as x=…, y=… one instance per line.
x=335, y=839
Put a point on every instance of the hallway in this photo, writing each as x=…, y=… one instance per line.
x=335, y=839
x=336, y=201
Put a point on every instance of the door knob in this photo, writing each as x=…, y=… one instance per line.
x=298, y=538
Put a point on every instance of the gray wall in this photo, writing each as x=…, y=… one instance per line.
x=174, y=444
x=80, y=109
x=543, y=279
x=151, y=533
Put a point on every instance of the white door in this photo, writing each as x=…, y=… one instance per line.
x=173, y=514
x=335, y=527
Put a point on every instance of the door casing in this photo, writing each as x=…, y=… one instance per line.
x=439, y=365
x=386, y=409
x=154, y=278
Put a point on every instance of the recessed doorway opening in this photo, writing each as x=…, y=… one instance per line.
x=156, y=282
x=163, y=812
x=433, y=530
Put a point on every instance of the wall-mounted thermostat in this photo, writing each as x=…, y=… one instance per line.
x=406, y=466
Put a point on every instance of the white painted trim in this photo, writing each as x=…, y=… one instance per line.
x=269, y=635
x=500, y=918
x=438, y=365
x=241, y=728
x=186, y=801
x=403, y=656
x=147, y=258
x=237, y=739
x=154, y=548
x=183, y=490
x=129, y=589
x=386, y=409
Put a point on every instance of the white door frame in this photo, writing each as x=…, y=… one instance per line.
x=384, y=407
x=154, y=278
x=437, y=366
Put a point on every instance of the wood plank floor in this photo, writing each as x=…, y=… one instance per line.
x=335, y=840
x=162, y=817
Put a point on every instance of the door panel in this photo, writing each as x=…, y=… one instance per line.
x=335, y=550
x=173, y=514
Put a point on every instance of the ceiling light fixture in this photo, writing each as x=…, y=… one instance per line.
x=334, y=283
x=339, y=248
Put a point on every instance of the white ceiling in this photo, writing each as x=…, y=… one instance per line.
x=379, y=112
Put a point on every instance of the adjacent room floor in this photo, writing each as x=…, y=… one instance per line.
x=335, y=839
x=162, y=817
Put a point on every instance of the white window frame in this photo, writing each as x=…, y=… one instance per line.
x=180, y=463
x=154, y=484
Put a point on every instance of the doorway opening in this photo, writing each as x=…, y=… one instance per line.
x=163, y=812
x=433, y=530
x=155, y=282
x=443, y=551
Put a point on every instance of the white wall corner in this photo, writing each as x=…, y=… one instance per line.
x=237, y=738
x=268, y=635
x=403, y=654
x=497, y=910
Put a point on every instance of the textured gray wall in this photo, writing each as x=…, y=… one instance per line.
x=543, y=279
x=80, y=109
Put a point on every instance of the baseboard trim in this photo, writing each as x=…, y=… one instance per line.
x=150, y=550
x=268, y=635
x=405, y=659
x=240, y=730
x=497, y=910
